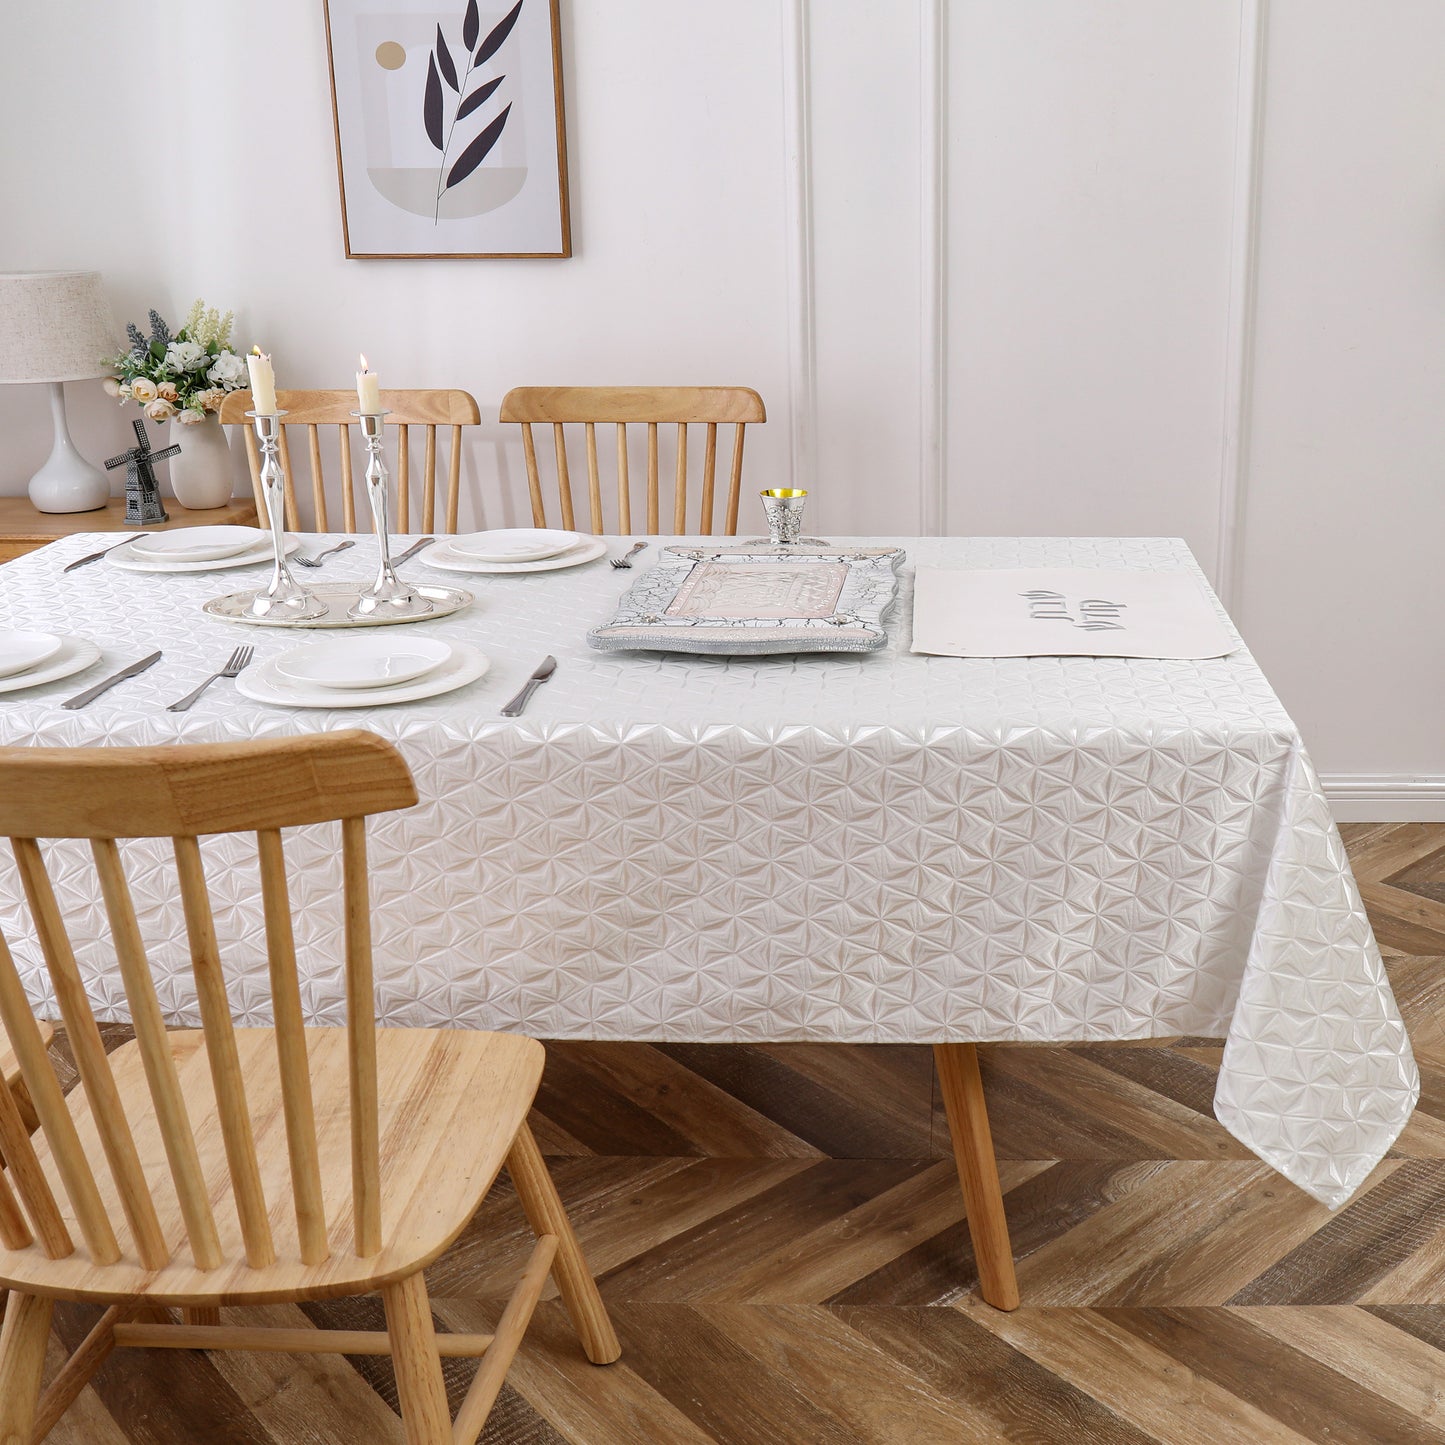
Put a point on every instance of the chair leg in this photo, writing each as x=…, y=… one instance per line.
x=95, y=1349
x=22, y=1360
x=546, y=1215
x=425, y=1418
x=487, y=1382
x=963, y=1101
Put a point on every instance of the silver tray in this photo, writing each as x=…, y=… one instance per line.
x=749, y=600
x=339, y=598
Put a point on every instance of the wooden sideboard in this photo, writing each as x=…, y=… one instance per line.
x=23, y=529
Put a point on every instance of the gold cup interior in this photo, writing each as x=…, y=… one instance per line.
x=784, y=492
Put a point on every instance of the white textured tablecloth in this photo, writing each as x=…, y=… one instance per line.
x=877, y=848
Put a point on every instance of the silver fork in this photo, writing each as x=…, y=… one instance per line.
x=320, y=557
x=239, y=660
x=625, y=560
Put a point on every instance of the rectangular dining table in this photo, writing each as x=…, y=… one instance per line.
x=881, y=848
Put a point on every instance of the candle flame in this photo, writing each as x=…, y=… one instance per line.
x=256, y=351
x=364, y=366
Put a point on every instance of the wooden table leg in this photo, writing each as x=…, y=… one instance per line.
x=962, y=1087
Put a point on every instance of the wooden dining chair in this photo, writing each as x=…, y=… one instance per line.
x=10, y=1078
x=649, y=406
x=408, y=411
x=257, y=1165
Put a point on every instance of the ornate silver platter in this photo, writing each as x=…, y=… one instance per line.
x=339, y=597
x=748, y=600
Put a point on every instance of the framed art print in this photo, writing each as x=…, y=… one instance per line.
x=450, y=139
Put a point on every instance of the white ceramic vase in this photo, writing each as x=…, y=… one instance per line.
x=201, y=474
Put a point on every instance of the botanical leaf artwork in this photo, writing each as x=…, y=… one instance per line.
x=433, y=105
x=442, y=111
x=444, y=60
x=450, y=133
x=476, y=153
x=480, y=96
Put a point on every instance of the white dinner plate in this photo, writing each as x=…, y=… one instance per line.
x=351, y=663
x=515, y=544
x=447, y=560
x=20, y=651
x=196, y=544
x=126, y=557
x=75, y=655
x=263, y=683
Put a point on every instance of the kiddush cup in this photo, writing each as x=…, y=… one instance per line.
x=784, y=508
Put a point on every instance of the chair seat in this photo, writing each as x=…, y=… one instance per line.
x=451, y=1102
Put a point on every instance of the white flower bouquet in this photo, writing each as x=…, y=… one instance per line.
x=184, y=374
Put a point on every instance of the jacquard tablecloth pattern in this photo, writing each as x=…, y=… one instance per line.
x=878, y=848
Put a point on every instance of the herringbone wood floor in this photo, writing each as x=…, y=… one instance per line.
x=778, y=1233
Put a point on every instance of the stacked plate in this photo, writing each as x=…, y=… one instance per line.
x=197, y=549
x=370, y=671
x=28, y=659
x=513, y=549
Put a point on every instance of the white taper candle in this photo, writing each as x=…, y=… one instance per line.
x=368, y=391
x=263, y=382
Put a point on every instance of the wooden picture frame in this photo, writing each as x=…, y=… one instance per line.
x=451, y=137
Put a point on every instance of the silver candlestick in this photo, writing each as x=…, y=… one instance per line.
x=388, y=595
x=283, y=596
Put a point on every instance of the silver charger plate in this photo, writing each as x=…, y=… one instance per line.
x=751, y=600
x=339, y=597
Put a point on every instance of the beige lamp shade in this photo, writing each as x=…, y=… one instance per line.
x=54, y=326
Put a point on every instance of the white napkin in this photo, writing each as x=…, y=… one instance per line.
x=1065, y=612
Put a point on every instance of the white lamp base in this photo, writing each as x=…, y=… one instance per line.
x=67, y=482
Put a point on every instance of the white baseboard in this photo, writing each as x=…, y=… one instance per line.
x=1385, y=797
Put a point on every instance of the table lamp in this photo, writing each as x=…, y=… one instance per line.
x=57, y=326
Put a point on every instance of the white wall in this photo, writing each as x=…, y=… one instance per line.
x=1090, y=185
x=1162, y=308
x=181, y=156
x=1344, y=521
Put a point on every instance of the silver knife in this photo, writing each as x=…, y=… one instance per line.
x=104, y=552
x=412, y=551
x=91, y=693
x=545, y=669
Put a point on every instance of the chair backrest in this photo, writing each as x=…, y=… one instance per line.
x=652, y=406
x=408, y=409
x=180, y=793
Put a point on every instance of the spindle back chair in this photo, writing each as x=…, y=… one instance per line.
x=249, y=1165
x=653, y=407
x=10, y=1078
x=314, y=410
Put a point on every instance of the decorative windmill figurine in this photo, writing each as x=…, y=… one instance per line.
x=142, y=491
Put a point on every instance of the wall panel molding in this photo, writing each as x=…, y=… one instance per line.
x=933, y=268
x=1243, y=293
x=802, y=325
